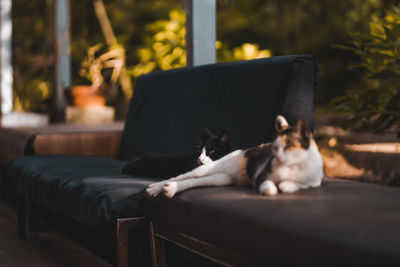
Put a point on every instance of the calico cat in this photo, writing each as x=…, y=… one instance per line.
x=291, y=162
x=158, y=165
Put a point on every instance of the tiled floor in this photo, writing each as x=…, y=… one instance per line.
x=42, y=250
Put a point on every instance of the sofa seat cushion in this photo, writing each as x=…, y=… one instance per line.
x=341, y=223
x=88, y=189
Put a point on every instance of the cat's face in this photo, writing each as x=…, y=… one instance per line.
x=213, y=147
x=292, y=143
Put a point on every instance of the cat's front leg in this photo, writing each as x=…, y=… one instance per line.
x=291, y=187
x=155, y=188
x=170, y=189
x=268, y=188
x=219, y=179
x=203, y=170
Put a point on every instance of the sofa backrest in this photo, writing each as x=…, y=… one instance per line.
x=170, y=108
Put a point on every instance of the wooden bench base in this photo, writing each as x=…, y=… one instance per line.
x=27, y=226
x=158, y=236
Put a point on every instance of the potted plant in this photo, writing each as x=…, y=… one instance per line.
x=103, y=71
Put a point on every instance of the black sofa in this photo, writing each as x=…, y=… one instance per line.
x=166, y=115
x=341, y=223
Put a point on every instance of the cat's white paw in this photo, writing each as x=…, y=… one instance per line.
x=268, y=188
x=288, y=187
x=170, y=189
x=158, y=184
x=154, y=189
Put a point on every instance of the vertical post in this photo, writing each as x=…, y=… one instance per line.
x=6, y=77
x=157, y=248
x=122, y=235
x=200, y=31
x=63, y=63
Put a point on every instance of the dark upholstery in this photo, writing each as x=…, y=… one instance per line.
x=166, y=115
x=341, y=223
x=170, y=108
x=89, y=189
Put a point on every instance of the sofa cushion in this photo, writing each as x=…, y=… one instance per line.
x=341, y=223
x=170, y=108
x=88, y=189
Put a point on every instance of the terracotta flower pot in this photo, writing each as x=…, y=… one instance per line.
x=86, y=96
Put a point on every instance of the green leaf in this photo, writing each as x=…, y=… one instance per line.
x=379, y=45
x=377, y=30
x=338, y=100
x=389, y=34
x=378, y=55
x=350, y=123
x=396, y=31
x=346, y=47
x=385, y=74
x=360, y=66
x=383, y=122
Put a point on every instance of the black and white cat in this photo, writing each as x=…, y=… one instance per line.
x=153, y=165
x=291, y=162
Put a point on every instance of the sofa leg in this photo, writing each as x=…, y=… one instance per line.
x=122, y=236
x=157, y=248
x=27, y=217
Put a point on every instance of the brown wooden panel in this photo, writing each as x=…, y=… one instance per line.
x=122, y=238
x=207, y=250
x=15, y=142
x=99, y=144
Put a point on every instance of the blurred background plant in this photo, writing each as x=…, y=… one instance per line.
x=151, y=32
x=164, y=46
x=93, y=65
x=375, y=103
x=246, y=51
x=33, y=64
x=103, y=68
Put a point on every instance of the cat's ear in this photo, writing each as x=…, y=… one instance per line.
x=302, y=129
x=224, y=137
x=206, y=134
x=281, y=124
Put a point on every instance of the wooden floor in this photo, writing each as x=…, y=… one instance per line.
x=42, y=250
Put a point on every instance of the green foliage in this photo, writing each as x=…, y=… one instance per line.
x=297, y=27
x=246, y=51
x=33, y=59
x=33, y=42
x=284, y=27
x=103, y=65
x=164, y=47
x=376, y=103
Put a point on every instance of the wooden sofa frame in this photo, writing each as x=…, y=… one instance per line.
x=48, y=142
x=27, y=225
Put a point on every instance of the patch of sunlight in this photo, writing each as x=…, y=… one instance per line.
x=393, y=148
